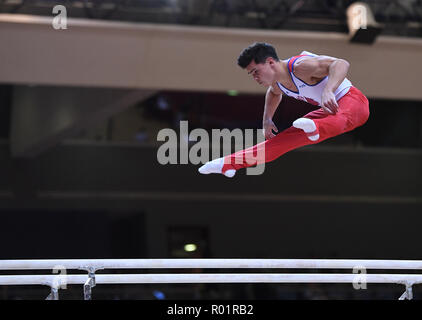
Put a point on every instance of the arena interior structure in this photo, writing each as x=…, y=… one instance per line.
x=81, y=108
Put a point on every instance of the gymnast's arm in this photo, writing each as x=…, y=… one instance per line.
x=272, y=101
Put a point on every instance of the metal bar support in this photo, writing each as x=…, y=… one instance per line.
x=54, y=294
x=408, y=294
x=89, y=284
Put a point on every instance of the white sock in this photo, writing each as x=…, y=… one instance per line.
x=216, y=166
x=308, y=126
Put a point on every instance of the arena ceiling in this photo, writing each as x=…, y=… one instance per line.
x=399, y=18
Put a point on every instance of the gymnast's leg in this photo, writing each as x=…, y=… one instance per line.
x=313, y=128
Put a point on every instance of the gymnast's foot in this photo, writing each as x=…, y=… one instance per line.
x=308, y=126
x=216, y=166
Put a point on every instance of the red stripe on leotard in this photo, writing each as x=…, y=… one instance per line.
x=292, y=60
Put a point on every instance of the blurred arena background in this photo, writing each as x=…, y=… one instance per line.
x=81, y=108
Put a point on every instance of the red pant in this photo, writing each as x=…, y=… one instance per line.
x=353, y=112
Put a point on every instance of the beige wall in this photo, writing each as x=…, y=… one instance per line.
x=151, y=56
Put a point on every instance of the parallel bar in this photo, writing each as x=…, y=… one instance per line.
x=56, y=281
x=209, y=264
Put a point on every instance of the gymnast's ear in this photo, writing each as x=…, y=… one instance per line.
x=271, y=61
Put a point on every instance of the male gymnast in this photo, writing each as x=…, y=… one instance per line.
x=317, y=79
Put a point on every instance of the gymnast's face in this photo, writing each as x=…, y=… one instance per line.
x=263, y=73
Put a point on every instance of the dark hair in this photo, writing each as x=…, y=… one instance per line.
x=258, y=52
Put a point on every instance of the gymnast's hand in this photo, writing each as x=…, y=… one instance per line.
x=268, y=127
x=329, y=102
